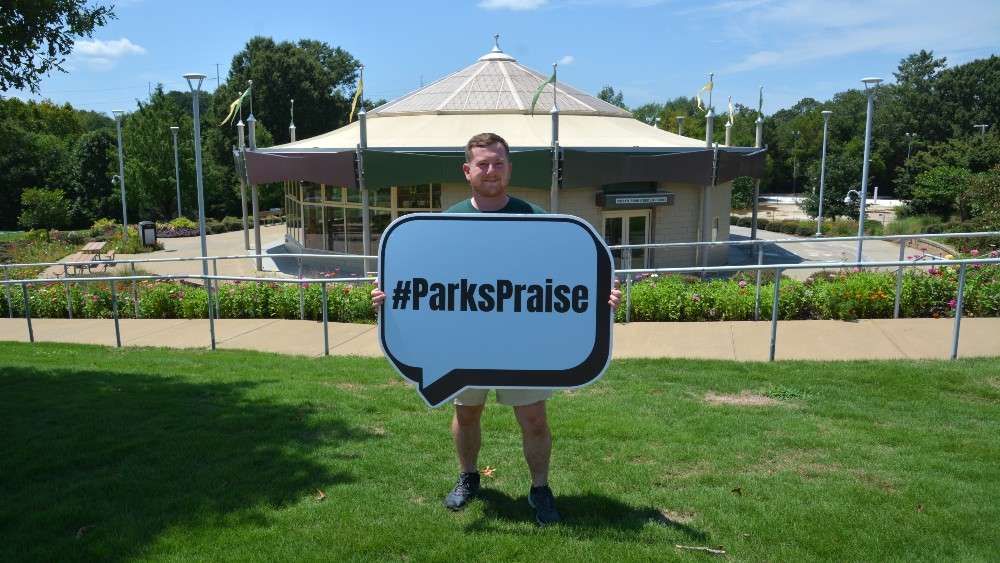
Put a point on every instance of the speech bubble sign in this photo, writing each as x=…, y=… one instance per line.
x=495, y=301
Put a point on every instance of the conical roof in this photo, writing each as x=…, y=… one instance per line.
x=496, y=83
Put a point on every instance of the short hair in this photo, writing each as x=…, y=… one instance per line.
x=484, y=140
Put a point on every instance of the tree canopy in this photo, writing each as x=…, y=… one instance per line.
x=36, y=36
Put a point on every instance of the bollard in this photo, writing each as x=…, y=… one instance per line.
x=774, y=314
x=302, y=294
x=215, y=287
x=628, y=287
x=27, y=311
x=326, y=333
x=6, y=290
x=135, y=296
x=114, y=313
x=69, y=300
x=958, y=310
x=756, y=294
x=899, y=281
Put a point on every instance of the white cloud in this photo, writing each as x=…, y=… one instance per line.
x=567, y=60
x=517, y=5
x=790, y=32
x=103, y=55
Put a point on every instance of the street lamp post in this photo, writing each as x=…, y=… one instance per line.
x=118, y=113
x=177, y=169
x=795, y=162
x=982, y=128
x=822, y=173
x=194, y=81
x=870, y=84
x=909, y=143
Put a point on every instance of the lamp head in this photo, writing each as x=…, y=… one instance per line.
x=194, y=80
x=826, y=113
x=118, y=113
x=871, y=82
x=174, y=129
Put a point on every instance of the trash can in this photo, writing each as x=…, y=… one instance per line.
x=147, y=233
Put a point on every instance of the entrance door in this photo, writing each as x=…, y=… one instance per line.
x=628, y=227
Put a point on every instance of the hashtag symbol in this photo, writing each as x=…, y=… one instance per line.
x=401, y=295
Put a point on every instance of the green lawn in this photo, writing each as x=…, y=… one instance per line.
x=151, y=454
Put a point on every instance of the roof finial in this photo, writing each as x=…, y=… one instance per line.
x=496, y=44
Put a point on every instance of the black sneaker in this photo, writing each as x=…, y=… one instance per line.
x=465, y=489
x=541, y=499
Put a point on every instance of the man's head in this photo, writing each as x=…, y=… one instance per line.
x=487, y=165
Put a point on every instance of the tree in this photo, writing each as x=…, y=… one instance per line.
x=842, y=174
x=36, y=36
x=321, y=79
x=609, y=95
x=936, y=191
x=982, y=197
x=743, y=192
x=43, y=209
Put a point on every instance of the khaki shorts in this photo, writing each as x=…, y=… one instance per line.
x=509, y=397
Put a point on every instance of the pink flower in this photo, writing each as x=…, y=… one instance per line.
x=974, y=252
x=855, y=269
x=952, y=303
x=994, y=253
x=743, y=283
x=304, y=285
x=696, y=298
x=933, y=271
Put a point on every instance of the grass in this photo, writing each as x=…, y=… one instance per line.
x=20, y=249
x=150, y=454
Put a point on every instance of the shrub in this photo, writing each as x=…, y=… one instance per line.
x=104, y=228
x=232, y=223
x=183, y=223
x=43, y=209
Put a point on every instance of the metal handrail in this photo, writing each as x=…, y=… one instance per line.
x=192, y=259
x=804, y=240
x=778, y=268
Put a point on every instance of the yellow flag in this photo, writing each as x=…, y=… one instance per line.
x=705, y=88
x=357, y=96
x=237, y=103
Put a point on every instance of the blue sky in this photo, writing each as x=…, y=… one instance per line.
x=651, y=50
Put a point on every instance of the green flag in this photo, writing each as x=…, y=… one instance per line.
x=357, y=96
x=538, y=92
x=233, y=107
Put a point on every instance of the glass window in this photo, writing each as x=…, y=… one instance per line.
x=336, y=229
x=380, y=197
x=334, y=193
x=353, y=231
x=379, y=221
x=310, y=192
x=413, y=197
x=312, y=227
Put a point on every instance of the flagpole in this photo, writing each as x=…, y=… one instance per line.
x=366, y=227
x=554, y=188
x=241, y=146
x=710, y=116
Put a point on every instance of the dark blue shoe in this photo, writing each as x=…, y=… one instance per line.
x=465, y=489
x=541, y=499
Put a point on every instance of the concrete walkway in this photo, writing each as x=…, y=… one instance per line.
x=878, y=339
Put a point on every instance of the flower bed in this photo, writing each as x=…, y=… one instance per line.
x=831, y=295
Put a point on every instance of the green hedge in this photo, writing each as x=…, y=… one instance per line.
x=807, y=227
x=169, y=300
x=843, y=296
x=833, y=295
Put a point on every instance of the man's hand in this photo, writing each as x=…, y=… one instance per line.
x=614, y=300
x=378, y=296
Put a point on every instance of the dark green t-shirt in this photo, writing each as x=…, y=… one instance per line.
x=514, y=205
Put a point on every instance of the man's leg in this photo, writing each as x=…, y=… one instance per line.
x=466, y=431
x=536, y=440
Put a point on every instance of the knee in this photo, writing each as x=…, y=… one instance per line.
x=468, y=416
x=534, y=422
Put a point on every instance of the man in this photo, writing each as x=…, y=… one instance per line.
x=487, y=169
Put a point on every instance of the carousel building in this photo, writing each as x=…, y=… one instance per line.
x=574, y=154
